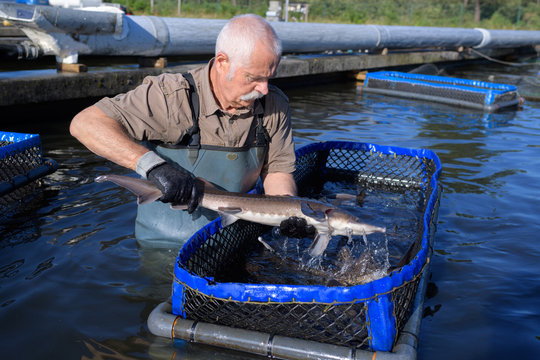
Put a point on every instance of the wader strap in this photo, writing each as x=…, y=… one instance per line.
x=194, y=143
x=262, y=137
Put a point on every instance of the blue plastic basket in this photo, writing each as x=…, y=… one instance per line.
x=367, y=316
x=475, y=94
x=21, y=165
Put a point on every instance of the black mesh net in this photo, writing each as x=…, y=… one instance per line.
x=447, y=92
x=415, y=88
x=14, y=164
x=335, y=323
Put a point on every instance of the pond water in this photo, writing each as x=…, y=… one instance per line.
x=347, y=260
x=74, y=283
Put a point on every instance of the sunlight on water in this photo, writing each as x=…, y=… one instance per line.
x=348, y=260
x=72, y=271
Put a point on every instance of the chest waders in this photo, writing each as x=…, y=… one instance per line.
x=231, y=168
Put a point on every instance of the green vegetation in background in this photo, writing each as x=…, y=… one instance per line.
x=490, y=14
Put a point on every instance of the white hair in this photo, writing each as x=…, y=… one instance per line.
x=239, y=36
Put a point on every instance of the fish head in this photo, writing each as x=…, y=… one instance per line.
x=344, y=223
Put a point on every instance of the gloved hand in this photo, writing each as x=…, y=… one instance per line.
x=296, y=227
x=177, y=185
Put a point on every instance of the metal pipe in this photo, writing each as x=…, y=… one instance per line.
x=57, y=19
x=20, y=51
x=162, y=323
x=62, y=32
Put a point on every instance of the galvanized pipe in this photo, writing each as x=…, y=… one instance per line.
x=63, y=32
x=23, y=50
x=162, y=323
x=57, y=19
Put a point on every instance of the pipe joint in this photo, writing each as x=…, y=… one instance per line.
x=486, y=38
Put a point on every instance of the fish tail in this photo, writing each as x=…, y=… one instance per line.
x=146, y=191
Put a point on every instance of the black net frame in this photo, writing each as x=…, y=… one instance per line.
x=334, y=323
x=447, y=93
x=18, y=163
x=416, y=88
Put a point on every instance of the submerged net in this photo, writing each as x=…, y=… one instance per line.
x=15, y=161
x=21, y=166
x=461, y=92
x=364, y=316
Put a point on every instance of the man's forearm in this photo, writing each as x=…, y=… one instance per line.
x=106, y=137
x=279, y=184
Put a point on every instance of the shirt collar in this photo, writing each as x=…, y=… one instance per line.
x=209, y=105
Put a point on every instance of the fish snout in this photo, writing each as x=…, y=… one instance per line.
x=101, y=178
x=370, y=229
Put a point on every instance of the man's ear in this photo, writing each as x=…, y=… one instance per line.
x=222, y=63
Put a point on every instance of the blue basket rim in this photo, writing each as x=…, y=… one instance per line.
x=457, y=83
x=20, y=142
x=265, y=293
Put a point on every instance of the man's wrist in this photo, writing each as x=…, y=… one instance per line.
x=147, y=162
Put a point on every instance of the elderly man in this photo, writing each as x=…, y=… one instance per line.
x=222, y=122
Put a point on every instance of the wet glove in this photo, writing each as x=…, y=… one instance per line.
x=176, y=184
x=297, y=228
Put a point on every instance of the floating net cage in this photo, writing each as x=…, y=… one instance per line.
x=475, y=94
x=21, y=167
x=368, y=316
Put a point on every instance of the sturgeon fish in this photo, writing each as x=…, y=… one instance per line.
x=270, y=210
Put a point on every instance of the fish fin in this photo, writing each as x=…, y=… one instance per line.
x=227, y=219
x=360, y=198
x=312, y=213
x=146, y=191
x=229, y=210
x=260, y=239
x=339, y=199
x=319, y=244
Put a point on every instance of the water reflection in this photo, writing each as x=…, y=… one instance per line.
x=71, y=267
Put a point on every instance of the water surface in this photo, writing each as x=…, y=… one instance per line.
x=74, y=283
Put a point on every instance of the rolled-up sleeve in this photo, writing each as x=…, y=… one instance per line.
x=281, y=156
x=155, y=110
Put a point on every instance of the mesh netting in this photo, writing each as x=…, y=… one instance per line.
x=15, y=163
x=442, y=92
x=334, y=324
x=506, y=97
x=462, y=92
x=213, y=252
x=215, y=255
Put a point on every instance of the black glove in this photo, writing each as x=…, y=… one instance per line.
x=177, y=185
x=296, y=227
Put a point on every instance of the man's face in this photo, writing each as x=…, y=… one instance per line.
x=241, y=86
